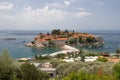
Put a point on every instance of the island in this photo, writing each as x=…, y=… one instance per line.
x=60, y=38
x=65, y=39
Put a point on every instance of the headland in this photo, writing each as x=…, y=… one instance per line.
x=65, y=39
x=58, y=38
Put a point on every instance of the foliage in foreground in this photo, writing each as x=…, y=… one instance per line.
x=30, y=72
x=85, y=76
x=102, y=59
x=118, y=51
x=89, y=71
x=66, y=71
x=8, y=70
x=116, y=69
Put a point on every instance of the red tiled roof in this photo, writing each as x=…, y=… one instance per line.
x=53, y=37
x=61, y=39
x=43, y=40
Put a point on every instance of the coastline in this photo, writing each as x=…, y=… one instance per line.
x=111, y=39
x=62, y=39
x=65, y=51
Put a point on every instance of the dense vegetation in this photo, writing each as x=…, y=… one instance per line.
x=64, y=69
x=55, y=32
x=118, y=51
x=58, y=32
x=100, y=69
x=12, y=70
x=85, y=76
x=102, y=59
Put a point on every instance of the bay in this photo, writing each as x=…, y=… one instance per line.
x=17, y=48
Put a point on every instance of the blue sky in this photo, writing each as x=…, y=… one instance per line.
x=62, y=14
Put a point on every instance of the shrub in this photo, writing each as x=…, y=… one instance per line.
x=102, y=59
x=117, y=50
x=62, y=67
x=85, y=76
x=60, y=56
x=30, y=72
x=32, y=42
x=116, y=69
x=55, y=63
x=41, y=58
x=56, y=32
x=6, y=66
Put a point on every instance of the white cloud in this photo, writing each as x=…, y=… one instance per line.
x=28, y=8
x=40, y=17
x=6, y=6
x=30, y=17
x=66, y=3
x=81, y=14
x=60, y=5
x=46, y=14
x=43, y=15
x=81, y=9
x=54, y=5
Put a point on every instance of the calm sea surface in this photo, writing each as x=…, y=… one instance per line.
x=17, y=49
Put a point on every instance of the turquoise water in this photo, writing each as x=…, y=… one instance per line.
x=111, y=39
x=17, y=49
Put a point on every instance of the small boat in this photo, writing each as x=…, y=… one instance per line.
x=23, y=41
x=10, y=38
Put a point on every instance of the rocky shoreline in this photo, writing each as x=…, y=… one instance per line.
x=65, y=39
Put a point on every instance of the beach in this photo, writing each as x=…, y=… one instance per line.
x=67, y=49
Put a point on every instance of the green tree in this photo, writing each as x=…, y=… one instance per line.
x=66, y=31
x=81, y=39
x=56, y=31
x=116, y=69
x=6, y=66
x=32, y=42
x=30, y=72
x=85, y=76
x=61, y=68
x=48, y=33
x=102, y=59
x=60, y=56
x=69, y=35
x=90, y=39
x=118, y=51
x=82, y=54
x=72, y=40
x=55, y=62
x=42, y=58
x=42, y=36
x=51, y=43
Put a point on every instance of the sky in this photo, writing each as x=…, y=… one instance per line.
x=59, y=14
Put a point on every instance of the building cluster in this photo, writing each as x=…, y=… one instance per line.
x=63, y=38
x=46, y=67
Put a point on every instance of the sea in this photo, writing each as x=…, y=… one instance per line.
x=17, y=48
